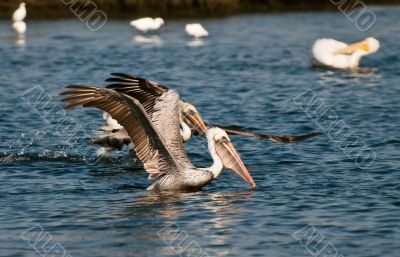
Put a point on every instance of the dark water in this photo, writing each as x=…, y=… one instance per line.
x=246, y=74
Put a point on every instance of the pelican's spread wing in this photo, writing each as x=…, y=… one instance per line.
x=145, y=91
x=160, y=103
x=148, y=144
x=274, y=138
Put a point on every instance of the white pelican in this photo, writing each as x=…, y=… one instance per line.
x=147, y=24
x=336, y=54
x=20, y=13
x=19, y=27
x=157, y=141
x=149, y=93
x=196, y=30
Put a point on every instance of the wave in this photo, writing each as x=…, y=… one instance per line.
x=62, y=156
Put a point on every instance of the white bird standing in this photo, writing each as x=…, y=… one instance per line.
x=111, y=123
x=337, y=54
x=196, y=30
x=147, y=24
x=20, y=13
x=19, y=27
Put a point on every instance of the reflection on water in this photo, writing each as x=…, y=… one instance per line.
x=20, y=40
x=196, y=43
x=169, y=203
x=148, y=39
x=365, y=75
x=211, y=212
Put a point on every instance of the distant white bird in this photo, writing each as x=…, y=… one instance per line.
x=336, y=54
x=147, y=24
x=20, y=13
x=196, y=30
x=19, y=27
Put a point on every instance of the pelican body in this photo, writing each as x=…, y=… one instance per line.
x=336, y=54
x=193, y=179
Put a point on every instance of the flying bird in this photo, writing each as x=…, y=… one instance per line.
x=147, y=24
x=196, y=30
x=114, y=137
x=337, y=54
x=157, y=141
x=149, y=94
x=20, y=13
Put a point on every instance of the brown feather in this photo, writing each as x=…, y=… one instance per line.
x=148, y=144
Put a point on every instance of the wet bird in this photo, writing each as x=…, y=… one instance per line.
x=149, y=93
x=157, y=142
x=196, y=30
x=337, y=54
x=20, y=13
x=147, y=24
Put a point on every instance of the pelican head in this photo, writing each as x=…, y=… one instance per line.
x=191, y=117
x=220, y=146
x=159, y=21
x=373, y=45
x=365, y=47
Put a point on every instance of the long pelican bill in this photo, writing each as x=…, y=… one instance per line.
x=231, y=159
x=194, y=121
x=363, y=45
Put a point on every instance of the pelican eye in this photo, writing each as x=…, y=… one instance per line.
x=223, y=140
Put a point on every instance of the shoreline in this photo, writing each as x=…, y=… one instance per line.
x=115, y=10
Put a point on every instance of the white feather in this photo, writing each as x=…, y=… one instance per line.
x=196, y=30
x=20, y=13
x=147, y=24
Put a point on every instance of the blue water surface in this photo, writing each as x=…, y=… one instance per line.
x=311, y=197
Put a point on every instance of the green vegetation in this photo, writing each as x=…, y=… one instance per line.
x=174, y=8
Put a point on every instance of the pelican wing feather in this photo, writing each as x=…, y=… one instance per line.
x=145, y=91
x=159, y=102
x=149, y=145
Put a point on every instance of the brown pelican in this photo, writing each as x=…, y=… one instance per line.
x=154, y=132
x=148, y=93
